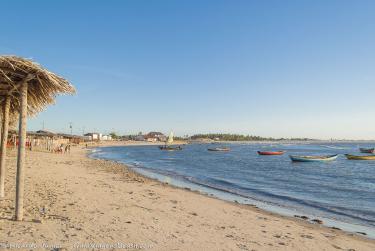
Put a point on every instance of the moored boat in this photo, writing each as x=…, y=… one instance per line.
x=168, y=146
x=271, y=152
x=323, y=158
x=219, y=149
x=367, y=150
x=359, y=157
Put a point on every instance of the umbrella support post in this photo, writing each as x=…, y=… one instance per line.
x=4, y=141
x=21, y=152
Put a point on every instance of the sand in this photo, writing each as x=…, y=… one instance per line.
x=74, y=202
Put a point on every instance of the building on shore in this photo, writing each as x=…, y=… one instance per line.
x=72, y=139
x=149, y=137
x=155, y=136
x=106, y=137
x=43, y=140
x=46, y=140
x=139, y=138
x=93, y=136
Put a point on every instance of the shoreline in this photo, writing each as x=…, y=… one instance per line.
x=71, y=198
x=267, y=207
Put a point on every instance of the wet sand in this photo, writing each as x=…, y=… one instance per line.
x=72, y=201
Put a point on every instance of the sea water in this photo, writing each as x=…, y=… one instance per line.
x=341, y=192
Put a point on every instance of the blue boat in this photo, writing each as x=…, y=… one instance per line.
x=323, y=158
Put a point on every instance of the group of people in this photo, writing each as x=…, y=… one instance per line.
x=63, y=148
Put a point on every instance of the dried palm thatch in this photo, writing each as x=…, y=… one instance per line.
x=25, y=89
x=42, y=88
x=13, y=120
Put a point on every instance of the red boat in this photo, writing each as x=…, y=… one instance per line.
x=271, y=152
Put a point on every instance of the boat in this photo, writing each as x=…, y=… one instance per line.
x=271, y=152
x=219, y=149
x=367, y=150
x=323, y=158
x=168, y=146
x=359, y=157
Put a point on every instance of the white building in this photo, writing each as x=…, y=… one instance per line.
x=93, y=136
x=106, y=137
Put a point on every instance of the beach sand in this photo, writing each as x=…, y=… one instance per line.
x=73, y=201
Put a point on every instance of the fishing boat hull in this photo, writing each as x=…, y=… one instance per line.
x=170, y=148
x=313, y=158
x=367, y=150
x=356, y=157
x=271, y=152
x=218, y=149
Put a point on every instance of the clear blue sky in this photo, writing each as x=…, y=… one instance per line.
x=269, y=68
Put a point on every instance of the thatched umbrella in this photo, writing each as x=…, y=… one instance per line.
x=25, y=89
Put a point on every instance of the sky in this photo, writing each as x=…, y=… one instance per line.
x=267, y=68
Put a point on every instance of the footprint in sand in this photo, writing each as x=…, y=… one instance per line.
x=337, y=247
x=307, y=236
x=242, y=246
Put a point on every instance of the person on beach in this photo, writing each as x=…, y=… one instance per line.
x=60, y=149
x=67, y=148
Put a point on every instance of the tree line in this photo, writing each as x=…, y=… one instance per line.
x=239, y=137
x=216, y=136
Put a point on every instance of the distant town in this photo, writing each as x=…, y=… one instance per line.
x=152, y=136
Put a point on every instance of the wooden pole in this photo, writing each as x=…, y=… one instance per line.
x=1, y=127
x=4, y=141
x=21, y=152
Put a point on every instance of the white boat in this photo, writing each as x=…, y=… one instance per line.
x=323, y=158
